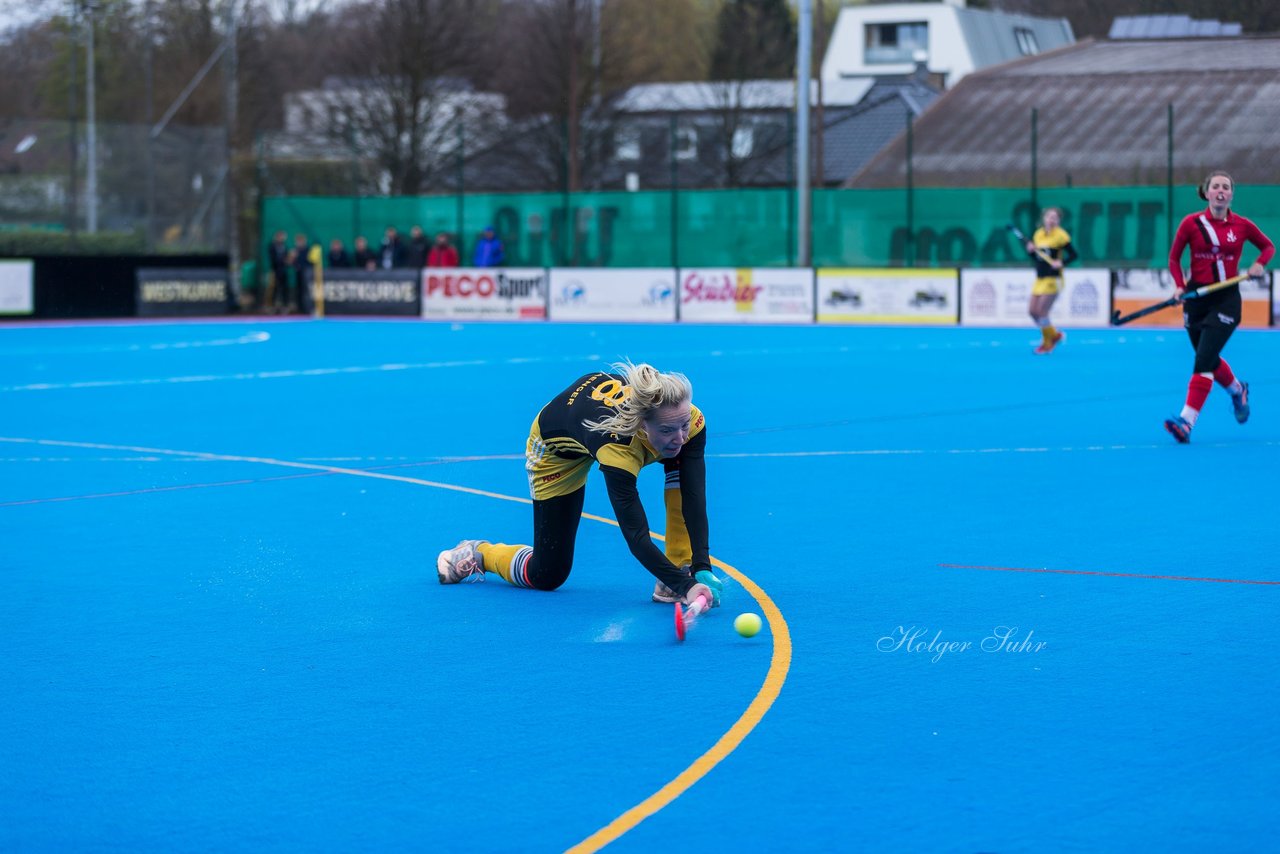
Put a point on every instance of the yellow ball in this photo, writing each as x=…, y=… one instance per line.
x=747, y=625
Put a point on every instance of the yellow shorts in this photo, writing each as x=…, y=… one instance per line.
x=551, y=476
x=1047, y=285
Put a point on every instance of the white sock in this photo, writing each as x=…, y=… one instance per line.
x=1190, y=415
x=1235, y=387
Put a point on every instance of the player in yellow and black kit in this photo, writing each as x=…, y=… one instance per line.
x=1051, y=247
x=624, y=421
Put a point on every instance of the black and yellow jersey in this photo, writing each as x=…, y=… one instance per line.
x=561, y=450
x=1057, y=245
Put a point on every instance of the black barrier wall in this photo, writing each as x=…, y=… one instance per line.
x=81, y=286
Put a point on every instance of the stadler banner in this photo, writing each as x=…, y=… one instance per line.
x=182, y=292
x=865, y=295
x=993, y=297
x=17, y=291
x=746, y=295
x=372, y=292
x=485, y=294
x=607, y=294
x=1135, y=289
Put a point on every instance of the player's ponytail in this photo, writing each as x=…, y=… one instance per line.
x=650, y=389
x=1204, y=185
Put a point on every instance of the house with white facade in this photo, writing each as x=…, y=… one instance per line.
x=947, y=37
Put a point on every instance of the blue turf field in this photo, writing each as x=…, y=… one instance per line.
x=221, y=628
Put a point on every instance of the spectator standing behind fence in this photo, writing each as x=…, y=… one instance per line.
x=338, y=255
x=442, y=254
x=415, y=254
x=391, y=254
x=488, y=252
x=278, y=253
x=364, y=258
x=301, y=299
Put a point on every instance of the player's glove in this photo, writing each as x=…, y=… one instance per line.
x=715, y=585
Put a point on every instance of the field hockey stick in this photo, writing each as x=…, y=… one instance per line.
x=686, y=619
x=1022, y=238
x=1117, y=320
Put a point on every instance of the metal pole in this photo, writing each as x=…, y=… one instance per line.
x=1035, y=206
x=909, y=251
x=675, y=190
x=1168, y=177
x=73, y=178
x=91, y=128
x=804, y=63
x=231, y=70
x=462, y=178
x=149, y=95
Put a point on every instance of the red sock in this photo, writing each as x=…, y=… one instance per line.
x=1197, y=390
x=1223, y=374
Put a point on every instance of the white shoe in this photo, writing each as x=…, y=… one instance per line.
x=663, y=593
x=461, y=564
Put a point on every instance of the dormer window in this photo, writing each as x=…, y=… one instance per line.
x=1027, y=44
x=896, y=43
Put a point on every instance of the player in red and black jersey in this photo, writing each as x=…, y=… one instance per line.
x=1216, y=237
x=623, y=421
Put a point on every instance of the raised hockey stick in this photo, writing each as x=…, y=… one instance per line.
x=1117, y=320
x=1022, y=239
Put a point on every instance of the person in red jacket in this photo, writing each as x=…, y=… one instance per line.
x=1216, y=237
x=442, y=254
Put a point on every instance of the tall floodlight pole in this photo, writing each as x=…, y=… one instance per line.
x=91, y=128
x=804, y=64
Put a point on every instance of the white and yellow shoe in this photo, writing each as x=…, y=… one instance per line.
x=461, y=564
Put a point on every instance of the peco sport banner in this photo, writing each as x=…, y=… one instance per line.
x=1135, y=289
x=182, y=291
x=909, y=296
x=17, y=289
x=485, y=294
x=1000, y=297
x=746, y=295
x=607, y=294
x=372, y=292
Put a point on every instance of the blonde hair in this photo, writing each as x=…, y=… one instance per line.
x=1204, y=185
x=651, y=390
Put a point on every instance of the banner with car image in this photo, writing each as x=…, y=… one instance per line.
x=1001, y=297
x=906, y=296
x=746, y=295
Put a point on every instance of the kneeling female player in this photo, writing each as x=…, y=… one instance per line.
x=624, y=421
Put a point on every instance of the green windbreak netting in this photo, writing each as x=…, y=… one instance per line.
x=1111, y=226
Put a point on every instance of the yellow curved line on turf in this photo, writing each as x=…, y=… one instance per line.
x=779, y=664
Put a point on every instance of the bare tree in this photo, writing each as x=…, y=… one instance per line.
x=402, y=87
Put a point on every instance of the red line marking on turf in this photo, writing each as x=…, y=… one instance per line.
x=1114, y=574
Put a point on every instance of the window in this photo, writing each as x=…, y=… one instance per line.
x=626, y=144
x=896, y=43
x=744, y=139
x=1027, y=44
x=686, y=144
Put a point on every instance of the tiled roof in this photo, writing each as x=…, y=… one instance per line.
x=1101, y=118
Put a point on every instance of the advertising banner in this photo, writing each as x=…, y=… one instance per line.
x=17, y=291
x=865, y=295
x=372, y=292
x=485, y=294
x=999, y=297
x=746, y=295
x=182, y=291
x=606, y=294
x=1135, y=289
